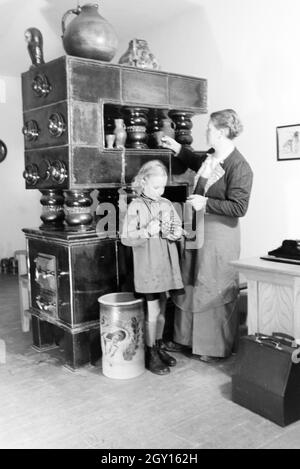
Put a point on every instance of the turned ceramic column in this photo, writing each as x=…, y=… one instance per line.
x=136, y=120
x=184, y=124
x=78, y=210
x=153, y=127
x=53, y=215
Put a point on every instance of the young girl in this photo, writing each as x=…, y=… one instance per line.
x=151, y=227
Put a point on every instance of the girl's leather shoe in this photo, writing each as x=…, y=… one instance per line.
x=164, y=356
x=154, y=363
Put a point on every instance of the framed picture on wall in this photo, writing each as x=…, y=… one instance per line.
x=288, y=142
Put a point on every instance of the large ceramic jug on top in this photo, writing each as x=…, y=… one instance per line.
x=89, y=34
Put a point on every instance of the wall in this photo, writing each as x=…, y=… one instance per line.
x=248, y=51
x=19, y=208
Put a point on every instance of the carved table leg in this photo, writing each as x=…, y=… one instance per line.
x=253, y=307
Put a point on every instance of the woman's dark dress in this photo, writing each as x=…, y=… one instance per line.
x=206, y=316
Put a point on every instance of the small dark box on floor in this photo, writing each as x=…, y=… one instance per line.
x=266, y=379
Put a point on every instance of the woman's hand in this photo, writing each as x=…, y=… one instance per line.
x=198, y=202
x=171, y=144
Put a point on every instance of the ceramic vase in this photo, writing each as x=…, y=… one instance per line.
x=120, y=133
x=89, y=34
x=110, y=140
x=122, y=335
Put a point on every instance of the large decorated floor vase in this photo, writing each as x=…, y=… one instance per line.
x=122, y=335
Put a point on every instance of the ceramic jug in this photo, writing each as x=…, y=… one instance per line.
x=110, y=140
x=120, y=133
x=167, y=127
x=89, y=34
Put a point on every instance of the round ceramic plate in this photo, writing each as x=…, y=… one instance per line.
x=3, y=151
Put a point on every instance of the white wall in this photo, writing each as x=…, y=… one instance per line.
x=19, y=208
x=249, y=52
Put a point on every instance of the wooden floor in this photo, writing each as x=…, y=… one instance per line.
x=43, y=405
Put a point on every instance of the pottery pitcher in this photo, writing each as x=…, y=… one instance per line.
x=89, y=34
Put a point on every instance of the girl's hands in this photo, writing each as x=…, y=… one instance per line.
x=171, y=144
x=171, y=231
x=198, y=202
x=153, y=227
x=175, y=234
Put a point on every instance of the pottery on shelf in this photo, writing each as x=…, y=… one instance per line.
x=89, y=35
x=34, y=39
x=166, y=127
x=120, y=133
x=139, y=55
x=110, y=140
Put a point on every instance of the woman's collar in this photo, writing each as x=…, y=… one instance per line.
x=225, y=158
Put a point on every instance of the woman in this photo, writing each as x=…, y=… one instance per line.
x=206, y=316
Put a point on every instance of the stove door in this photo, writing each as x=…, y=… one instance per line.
x=45, y=280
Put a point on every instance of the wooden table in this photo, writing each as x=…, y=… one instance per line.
x=273, y=296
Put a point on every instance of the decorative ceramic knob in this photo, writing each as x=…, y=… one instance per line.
x=45, y=170
x=31, y=174
x=3, y=151
x=41, y=85
x=56, y=124
x=31, y=130
x=58, y=172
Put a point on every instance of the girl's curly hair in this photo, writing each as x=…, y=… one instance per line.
x=153, y=167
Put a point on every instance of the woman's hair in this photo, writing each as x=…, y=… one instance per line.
x=227, y=119
x=151, y=168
